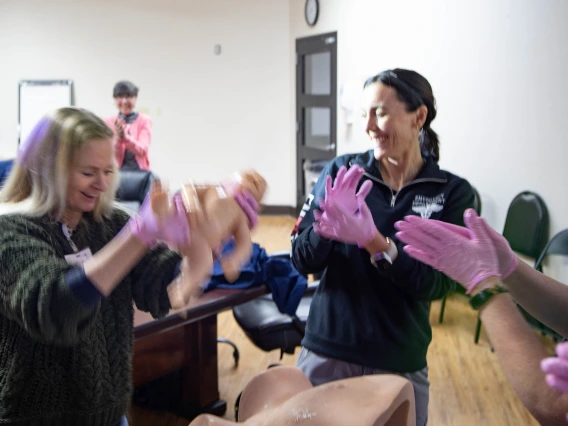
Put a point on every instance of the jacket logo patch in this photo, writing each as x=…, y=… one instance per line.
x=425, y=206
x=305, y=209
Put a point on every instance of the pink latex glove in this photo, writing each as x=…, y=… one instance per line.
x=507, y=259
x=343, y=191
x=466, y=259
x=556, y=369
x=249, y=205
x=174, y=231
x=336, y=223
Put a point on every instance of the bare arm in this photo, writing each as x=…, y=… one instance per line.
x=520, y=353
x=111, y=264
x=543, y=297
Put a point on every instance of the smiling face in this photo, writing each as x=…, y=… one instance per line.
x=90, y=176
x=125, y=103
x=392, y=128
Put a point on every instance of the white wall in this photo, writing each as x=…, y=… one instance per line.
x=212, y=114
x=498, y=69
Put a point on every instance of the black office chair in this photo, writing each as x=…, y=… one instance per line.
x=133, y=187
x=460, y=289
x=268, y=328
x=526, y=229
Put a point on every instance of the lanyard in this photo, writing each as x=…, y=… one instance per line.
x=67, y=234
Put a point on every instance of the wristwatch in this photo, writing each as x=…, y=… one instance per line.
x=384, y=259
x=481, y=298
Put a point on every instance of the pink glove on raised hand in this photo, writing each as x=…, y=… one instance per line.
x=343, y=190
x=174, y=231
x=507, y=259
x=334, y=222
x=466, y=259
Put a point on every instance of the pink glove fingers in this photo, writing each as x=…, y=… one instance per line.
x=339, y=177
x=416, y=235
x=328, y=186
x=418, y=255
x=317, y=215
x=353, y=176
x=413, y=237
x=557, y=383
x=464, y=232
x=466, y=259
x=149, y=230
x=365, y=189
x=562, y=350
x=508, y=260
x=555, y=366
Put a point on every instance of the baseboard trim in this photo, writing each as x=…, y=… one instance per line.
x=272, y=210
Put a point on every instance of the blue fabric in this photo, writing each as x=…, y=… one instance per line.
x=82, y=287
x=5, y=167
x=123, y=422
x=285, y=282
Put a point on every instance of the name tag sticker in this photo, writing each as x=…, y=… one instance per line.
x=79, y=258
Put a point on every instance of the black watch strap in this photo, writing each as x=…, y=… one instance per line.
x=484, y=296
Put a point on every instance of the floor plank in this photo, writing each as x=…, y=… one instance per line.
x=468, y=386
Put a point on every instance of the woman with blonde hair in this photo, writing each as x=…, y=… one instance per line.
x=72, y=263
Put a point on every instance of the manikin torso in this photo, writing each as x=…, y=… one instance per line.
x=284, y=396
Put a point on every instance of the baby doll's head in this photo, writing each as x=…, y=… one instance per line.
x=253, y=182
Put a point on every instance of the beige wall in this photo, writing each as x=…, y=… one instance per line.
x=212, y=114
x=498, y=69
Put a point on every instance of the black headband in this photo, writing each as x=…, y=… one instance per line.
x=403, y=85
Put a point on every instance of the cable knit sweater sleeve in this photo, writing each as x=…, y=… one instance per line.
x=150, y=279
x=33, y=291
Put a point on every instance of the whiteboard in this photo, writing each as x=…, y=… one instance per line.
x=39, y=97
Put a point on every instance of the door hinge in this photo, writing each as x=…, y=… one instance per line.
x=297, y=127
x=297, y=59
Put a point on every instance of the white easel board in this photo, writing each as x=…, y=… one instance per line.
x=39, y=97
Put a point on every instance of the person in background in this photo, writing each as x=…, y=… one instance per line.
x=72, y=264
x=132, y=130
x=482, y=261
x=369, y=314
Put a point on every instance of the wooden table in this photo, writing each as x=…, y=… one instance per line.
x=186, y=340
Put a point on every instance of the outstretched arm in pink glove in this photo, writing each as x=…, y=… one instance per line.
x=543, y=297
x=507, y=259
x=467, y=260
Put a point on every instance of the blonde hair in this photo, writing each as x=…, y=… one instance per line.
x=37, y=184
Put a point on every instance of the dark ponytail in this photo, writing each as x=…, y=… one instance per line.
x=414, y=90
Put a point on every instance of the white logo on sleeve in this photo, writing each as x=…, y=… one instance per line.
x=425, y=206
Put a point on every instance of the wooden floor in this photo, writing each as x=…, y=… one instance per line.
x=468, y=386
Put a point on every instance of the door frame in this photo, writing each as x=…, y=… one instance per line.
x=305, y=46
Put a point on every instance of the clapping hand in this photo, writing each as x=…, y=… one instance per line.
x=119, y=125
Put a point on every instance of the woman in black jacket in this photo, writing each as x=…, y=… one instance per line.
x=370, y=312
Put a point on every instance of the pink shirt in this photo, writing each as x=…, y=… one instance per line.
x=137, y=138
